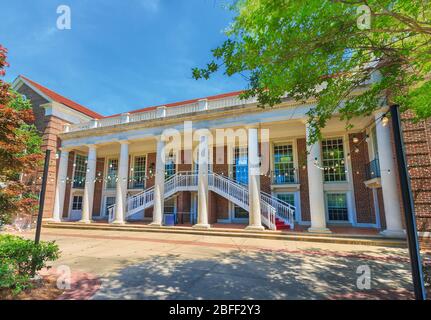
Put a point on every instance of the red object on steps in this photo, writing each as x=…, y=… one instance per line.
x=280, y=225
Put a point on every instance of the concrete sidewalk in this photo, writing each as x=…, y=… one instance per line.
x=175, y=266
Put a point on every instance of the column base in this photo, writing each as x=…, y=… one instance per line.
x=156, y=224
x=51, y=220
x=117, y=222
x=400, y=234
x=319, y=230
x=201, y=226
x=85, y=221
x=255, y=228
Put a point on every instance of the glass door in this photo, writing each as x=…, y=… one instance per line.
x=240, y=165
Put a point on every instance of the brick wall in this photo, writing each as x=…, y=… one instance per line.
x=417, y=139
x=183, y=198
x=98, y=187
x=49, y=127
x=69, y=183
x=303, y=179
x=219, y=206
x=150, y=182
x=363, y=195
x=36, y=100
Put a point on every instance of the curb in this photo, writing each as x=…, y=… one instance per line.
x=270, y=235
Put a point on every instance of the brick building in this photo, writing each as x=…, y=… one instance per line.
x=127, y=167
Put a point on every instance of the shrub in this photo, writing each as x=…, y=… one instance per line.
x=18, y=257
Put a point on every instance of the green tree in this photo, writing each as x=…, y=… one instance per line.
x=20, y=152
x=327, y=50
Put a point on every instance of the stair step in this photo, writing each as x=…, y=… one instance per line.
x=284, y=227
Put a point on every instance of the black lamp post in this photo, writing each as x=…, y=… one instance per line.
x=409, y=212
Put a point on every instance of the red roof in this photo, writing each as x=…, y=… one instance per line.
x=63, y=100
x=59, y=98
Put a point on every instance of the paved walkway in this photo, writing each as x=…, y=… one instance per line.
x=134, y=265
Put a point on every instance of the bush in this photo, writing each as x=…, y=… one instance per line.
x=18, y=257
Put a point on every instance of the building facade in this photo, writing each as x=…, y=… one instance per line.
x=221, y=159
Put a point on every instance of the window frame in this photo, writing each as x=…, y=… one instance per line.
x=344, y=159
x=347, y=201
x=107, y=181
x=82, y=185
x=133, y=171
x=292, y=144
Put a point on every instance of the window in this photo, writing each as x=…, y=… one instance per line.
x=170, y=165
x=284, y=170
x=138, y=175
x=77, y=203
x=337, y=206
x=288, y=198
x=333, y=160
x=240, y=165
x=80, y=171
x=169, y=207
x=375, y=145
x=111, y=178
x=109, y=202
x=239, y=213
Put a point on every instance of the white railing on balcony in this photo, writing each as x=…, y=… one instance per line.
x=271, y=207
x=160, y=112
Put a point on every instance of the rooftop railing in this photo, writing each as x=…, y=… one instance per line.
x=159, y=113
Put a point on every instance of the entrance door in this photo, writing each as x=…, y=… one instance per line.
x=240, y=165
x=109, y=201
x=76, y=210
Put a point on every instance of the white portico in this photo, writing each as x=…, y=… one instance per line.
x=132, y=174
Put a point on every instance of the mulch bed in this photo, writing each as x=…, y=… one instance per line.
x=82, y=287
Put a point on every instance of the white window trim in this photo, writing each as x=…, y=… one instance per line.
x=297, y=199
x=349, y=208
x=131, y=172
x=73, y=169
x=74, y=193
x=294, y=143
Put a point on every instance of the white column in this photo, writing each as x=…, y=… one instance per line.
x=159, y=184
x=315, y=187
x=121, y=195
x=87, y=202
x=203, y=160
x=60, y=190
x=391, y=200
x=255, y=219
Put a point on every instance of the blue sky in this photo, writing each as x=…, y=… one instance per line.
x=119, y=55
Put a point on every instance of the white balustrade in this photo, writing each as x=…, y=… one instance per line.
x=161, y=112
x=271, y=207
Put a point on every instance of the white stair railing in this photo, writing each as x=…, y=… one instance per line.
x=111, y=213
x=283, y=210
x=271, y=207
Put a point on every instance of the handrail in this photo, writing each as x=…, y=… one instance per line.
x=162, y=112
x=271, y=207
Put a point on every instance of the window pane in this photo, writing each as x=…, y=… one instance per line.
x=170, y=167
x=77, y=203
x=284, y=170
x=288, y=198
x=240, y=165
x=111, y=179
x=80, y=171
x=139, y=172
x=240, y=213
x=333, y=160
x=337, y=206
x=169, y=206
x=109, y=202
